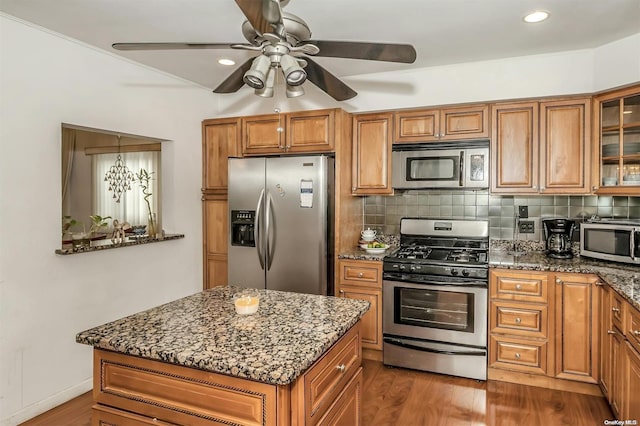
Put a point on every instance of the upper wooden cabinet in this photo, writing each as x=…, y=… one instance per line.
x=616, y=148
x=541, y=147
x=433, y=125
x=297, y=132
x=220, y=140
x=372, y=154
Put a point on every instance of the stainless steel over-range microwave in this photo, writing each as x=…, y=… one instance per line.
x=436, y=165
x=614, y=240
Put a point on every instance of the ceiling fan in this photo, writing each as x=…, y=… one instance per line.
x=284, y=41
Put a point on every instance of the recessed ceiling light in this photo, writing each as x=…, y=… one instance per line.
x=227, y=62
x=537, y=16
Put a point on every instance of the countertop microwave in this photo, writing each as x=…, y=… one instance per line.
x=615, y=240
x=436, y=165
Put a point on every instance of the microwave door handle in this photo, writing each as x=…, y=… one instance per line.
x=632, y=243
x=461, y=173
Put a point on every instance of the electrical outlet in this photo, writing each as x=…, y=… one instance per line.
x=526, y=226
x=523, y=212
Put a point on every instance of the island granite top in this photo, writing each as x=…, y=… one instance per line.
x=285, y=337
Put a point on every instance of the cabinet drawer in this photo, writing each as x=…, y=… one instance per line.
x=348, y=405
x=180, y=395
x=324, y=382
x=633, y=328
x=519, y=319
x=618, y=308
x=107, y=416
x=516, y=354
x=530, y=287
x=360, y=272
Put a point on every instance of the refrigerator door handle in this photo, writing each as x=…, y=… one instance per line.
x=270, y=245
x=257, y=231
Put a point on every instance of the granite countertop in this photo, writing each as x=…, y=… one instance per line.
x=286, y=336
x=625, y=279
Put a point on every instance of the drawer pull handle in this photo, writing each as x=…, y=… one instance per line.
x=611, y=332
x=341, y=367
x=517, y=355
x=341, y=291
x=518, y=320
x=636, y=332
x=518, y=287
x=616, y=310
x=599, y=283
x=360, y=274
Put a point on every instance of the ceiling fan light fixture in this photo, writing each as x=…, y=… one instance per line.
x=267, y=91
x=294, y=91
x=226, y=62
x=294, y=75
x=536, y=16
x=256, y=76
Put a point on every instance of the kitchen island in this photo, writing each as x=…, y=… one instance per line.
x=195, y=361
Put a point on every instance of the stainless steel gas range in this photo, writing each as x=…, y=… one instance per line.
x=435, y=297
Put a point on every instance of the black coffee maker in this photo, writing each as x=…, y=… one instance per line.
x=558, y=234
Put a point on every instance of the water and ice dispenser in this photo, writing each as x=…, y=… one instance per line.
x=242, y=227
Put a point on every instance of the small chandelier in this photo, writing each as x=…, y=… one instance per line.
x=119, y=177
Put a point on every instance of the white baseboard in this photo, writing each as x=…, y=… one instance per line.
x=47, y=404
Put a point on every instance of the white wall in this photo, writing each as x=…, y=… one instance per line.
x=45, y=80
x=45, y=299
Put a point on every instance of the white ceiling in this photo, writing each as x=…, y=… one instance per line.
x=442, y=31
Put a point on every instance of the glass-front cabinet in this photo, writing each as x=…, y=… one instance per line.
x=619, y=142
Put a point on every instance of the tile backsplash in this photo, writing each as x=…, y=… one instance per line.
x=384, y=212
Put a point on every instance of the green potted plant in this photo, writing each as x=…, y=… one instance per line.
x=143, y=177
x=98, y=223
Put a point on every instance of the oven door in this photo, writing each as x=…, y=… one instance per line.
x=445, y=312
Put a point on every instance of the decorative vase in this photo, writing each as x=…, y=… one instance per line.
x=151, y=225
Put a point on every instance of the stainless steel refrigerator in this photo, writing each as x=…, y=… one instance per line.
x=280, y=223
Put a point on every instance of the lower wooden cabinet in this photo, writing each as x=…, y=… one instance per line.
x=216, y=231
x=631, y=393
x=133, y=391
x=541, y=324
x=362, y=279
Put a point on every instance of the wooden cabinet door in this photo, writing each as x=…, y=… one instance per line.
x=631, y=394
x=310, y=131
x=347, y=407
x=618, y=377
x=263, y=134
x=216, y=231
x=464, y=123
x=606, y=326
x=417, y=126
x=564, y=146
x=576, y=333
x=221, y=140
x=372, y=135
x=371, y=331
x=514, y=148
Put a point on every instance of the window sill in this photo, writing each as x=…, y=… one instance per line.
x=107, y=244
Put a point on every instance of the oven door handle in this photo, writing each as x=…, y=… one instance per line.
x=480, y=284
x=402, y=344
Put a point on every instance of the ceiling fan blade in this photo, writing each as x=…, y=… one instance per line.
x=327, y=81
x=265, y=16
x=365, y=50
x=174, y=46
x=235, y=81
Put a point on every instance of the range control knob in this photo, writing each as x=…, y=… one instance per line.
x=454, y=272
x=465, y=273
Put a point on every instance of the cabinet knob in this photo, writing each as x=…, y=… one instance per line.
x=360, y=274
x=518, y=320
x=353, y=189
x=341, y=367
x=518, y=287
x=599, y=283
x=535, y=186
x=558, y=281
x=517, y=355
x=611, y=332
x=341, y=292
x=616, y=310
x=636, y=332
x=593, y=188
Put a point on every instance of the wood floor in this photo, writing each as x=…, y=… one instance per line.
x=395, y=396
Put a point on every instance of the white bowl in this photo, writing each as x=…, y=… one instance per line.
x=369, y=238
x=376, y=250
x=609, y=181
